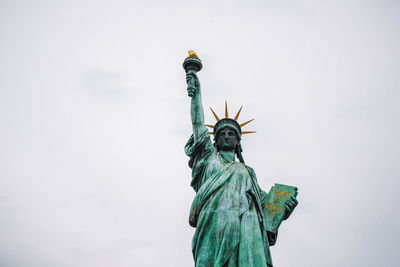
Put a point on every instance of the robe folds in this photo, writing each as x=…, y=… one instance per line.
x=227, y=210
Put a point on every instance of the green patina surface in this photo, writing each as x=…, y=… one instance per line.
x=229, y=210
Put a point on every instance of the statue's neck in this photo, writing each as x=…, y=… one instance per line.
x=228, y=155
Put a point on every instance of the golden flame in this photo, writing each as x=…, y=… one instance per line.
x=192, y=54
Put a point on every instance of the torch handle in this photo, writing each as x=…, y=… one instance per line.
x=191, y=88
x=192, y=64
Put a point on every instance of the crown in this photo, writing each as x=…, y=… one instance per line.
x=228, y=122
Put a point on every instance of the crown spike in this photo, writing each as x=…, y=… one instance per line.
x=244, y=123
x=226, y=109
x=208, y=125
x=237, y=115
x=215, y=115
x=248, y=132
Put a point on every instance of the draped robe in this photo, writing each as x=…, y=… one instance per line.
x=227, y=210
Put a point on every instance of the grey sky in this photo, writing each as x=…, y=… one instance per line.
x=94, y=116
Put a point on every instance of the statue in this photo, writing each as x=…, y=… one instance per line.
x=229, y=209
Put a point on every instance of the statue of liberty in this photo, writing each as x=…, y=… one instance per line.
x=228, y=209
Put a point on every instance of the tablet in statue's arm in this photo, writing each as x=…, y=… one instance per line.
x=275, y=205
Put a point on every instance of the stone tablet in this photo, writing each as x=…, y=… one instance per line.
x=275, y=205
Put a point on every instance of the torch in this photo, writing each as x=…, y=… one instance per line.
x=192, y=64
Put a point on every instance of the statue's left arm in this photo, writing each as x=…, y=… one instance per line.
x=270, y=235
x=290, y=206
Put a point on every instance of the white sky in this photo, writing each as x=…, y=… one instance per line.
x=94, y=116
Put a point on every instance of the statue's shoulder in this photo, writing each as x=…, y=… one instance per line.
x=249, y=169
x=244, y=167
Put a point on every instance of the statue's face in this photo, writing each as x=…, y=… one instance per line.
x=227, y=139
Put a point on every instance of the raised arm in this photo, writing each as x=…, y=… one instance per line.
x=196, y=107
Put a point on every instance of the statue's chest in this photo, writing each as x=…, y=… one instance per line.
x=214, y=166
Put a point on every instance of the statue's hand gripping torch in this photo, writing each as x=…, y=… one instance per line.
x=192, y=64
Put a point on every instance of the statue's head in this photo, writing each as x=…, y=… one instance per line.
x=227, y=134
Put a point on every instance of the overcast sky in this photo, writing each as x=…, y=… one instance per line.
x=94, y=116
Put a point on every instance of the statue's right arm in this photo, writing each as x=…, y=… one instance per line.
x=196, y=107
